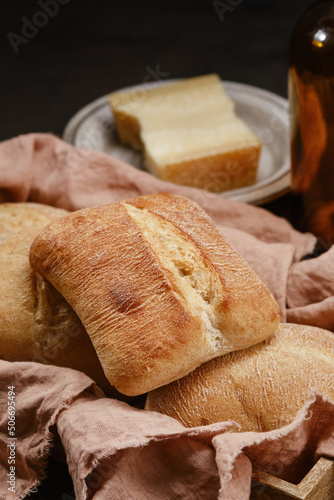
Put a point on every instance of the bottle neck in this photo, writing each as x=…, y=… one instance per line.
x=312, y=42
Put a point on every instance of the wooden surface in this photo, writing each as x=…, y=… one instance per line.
x=318, y=484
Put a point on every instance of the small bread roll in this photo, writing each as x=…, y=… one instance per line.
x=157, y=287
x=36, y=322
x=261, y=388
x=18, y=217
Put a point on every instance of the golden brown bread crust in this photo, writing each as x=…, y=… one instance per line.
x=18, y=217
x=125, y=270
x=36, y=323
x=261, y=388
x=247, y=309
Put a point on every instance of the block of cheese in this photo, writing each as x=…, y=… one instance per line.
x=157, y=287
x=190, y=133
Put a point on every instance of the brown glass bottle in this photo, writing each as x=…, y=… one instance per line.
x=311, y=95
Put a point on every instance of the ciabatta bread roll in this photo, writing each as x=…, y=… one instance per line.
x=157, y=287
x=16, y=218
x=261, y=388
x=36, y=323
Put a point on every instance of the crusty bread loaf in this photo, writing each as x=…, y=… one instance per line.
x=18, y=217
x=36, y=323
x=261, y=388
x=190, y=133
x=157, y=287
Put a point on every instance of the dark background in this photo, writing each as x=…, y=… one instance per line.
x=89, y=48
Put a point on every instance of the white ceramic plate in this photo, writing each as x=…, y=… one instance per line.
x=267, y=114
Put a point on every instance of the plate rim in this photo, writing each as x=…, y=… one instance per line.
x=256, y=194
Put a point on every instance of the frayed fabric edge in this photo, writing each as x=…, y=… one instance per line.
x=47, y=443
x=204, y=433
x=270, y=436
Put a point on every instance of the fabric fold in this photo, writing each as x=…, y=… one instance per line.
x=310, y=291
x=117, y=451
x=45, y=169
x=41, y=393
x=287, y=453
